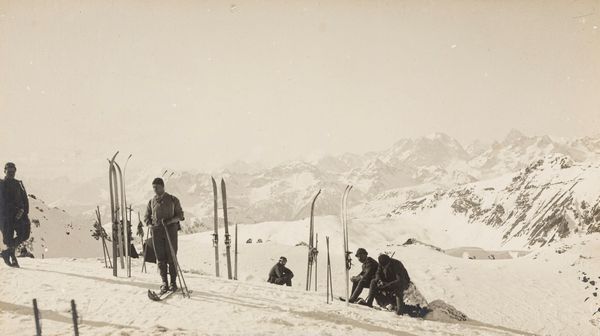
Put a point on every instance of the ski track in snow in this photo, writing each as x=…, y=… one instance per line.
x=539, y=293
x=108, y=305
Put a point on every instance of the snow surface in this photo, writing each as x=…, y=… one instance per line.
x=540, y=293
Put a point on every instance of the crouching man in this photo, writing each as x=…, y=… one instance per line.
x=364, y=278
x=391, y=280
x=279, y=274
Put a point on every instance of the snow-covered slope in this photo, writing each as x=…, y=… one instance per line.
x=547, y=292
x=119, y=306
x=54, y=233
x=550, y=199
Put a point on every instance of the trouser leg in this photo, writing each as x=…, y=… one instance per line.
x=357, y=288
x=159, y=241
x=400, y=307
x=8, y=233
x=373, y=292
x=23, y=230
x=171, y=259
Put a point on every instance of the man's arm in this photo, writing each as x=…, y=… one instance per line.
x=370, y=270
x=148, y=214
x=177, y=213
x=272, y=272
x=397, y=269
x=25, y=198
x=278, y=271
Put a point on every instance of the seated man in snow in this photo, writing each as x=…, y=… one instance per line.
x=391, y=280
x=364, y=278
x=280, y=274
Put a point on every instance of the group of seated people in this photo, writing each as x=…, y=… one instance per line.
x=386, y=279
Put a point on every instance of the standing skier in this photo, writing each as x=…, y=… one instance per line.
x=280, y=274
x=364, y=278
x=164, y=214
x=391, y=280
x=16, y=226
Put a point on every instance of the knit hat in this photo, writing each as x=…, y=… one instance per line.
x=361, y=251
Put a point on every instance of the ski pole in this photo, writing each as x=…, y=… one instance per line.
x=315, y=258
x=144, y=249
x=328, y=269
x=235, y=258
x=99, y=221
x=178, y=268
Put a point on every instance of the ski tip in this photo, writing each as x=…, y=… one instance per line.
x=153, y=296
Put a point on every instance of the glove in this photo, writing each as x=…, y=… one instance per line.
x=385, y=285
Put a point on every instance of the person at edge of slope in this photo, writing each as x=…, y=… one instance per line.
x=14, y=214
x=163, y=215
x=389, y=284
x=364, y=278
x=279, y=274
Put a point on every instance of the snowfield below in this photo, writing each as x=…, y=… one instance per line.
x=119, y=306
x=547, y=292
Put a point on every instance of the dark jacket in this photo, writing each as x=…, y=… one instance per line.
x=369, y=269
x=280, y=272
x=393, y=273
x=1, y=205
x=166, y=206
x=14, y=198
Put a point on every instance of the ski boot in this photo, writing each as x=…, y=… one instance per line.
x=163, y=289
x=400, y=306
x=368, y=302
x=14, y=262
x=6, y=257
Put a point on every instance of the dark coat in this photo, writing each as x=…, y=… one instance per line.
x=14, y=198
x=1, y=205
x=167, y=207
x=394, y=275
x=280, y=272
x=369, y=269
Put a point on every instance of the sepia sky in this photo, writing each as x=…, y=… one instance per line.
x=197, y=84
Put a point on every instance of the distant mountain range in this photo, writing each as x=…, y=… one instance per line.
x=431, y=166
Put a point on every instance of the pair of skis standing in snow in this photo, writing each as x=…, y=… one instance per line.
x=226, y=228
x=162, y=217
x=385, y=280
x=313, y=244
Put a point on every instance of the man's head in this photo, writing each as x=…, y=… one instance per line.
x=283, y=260
x=10, y=170
x=362, y=255
x=384, y=259
x=159, y=186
